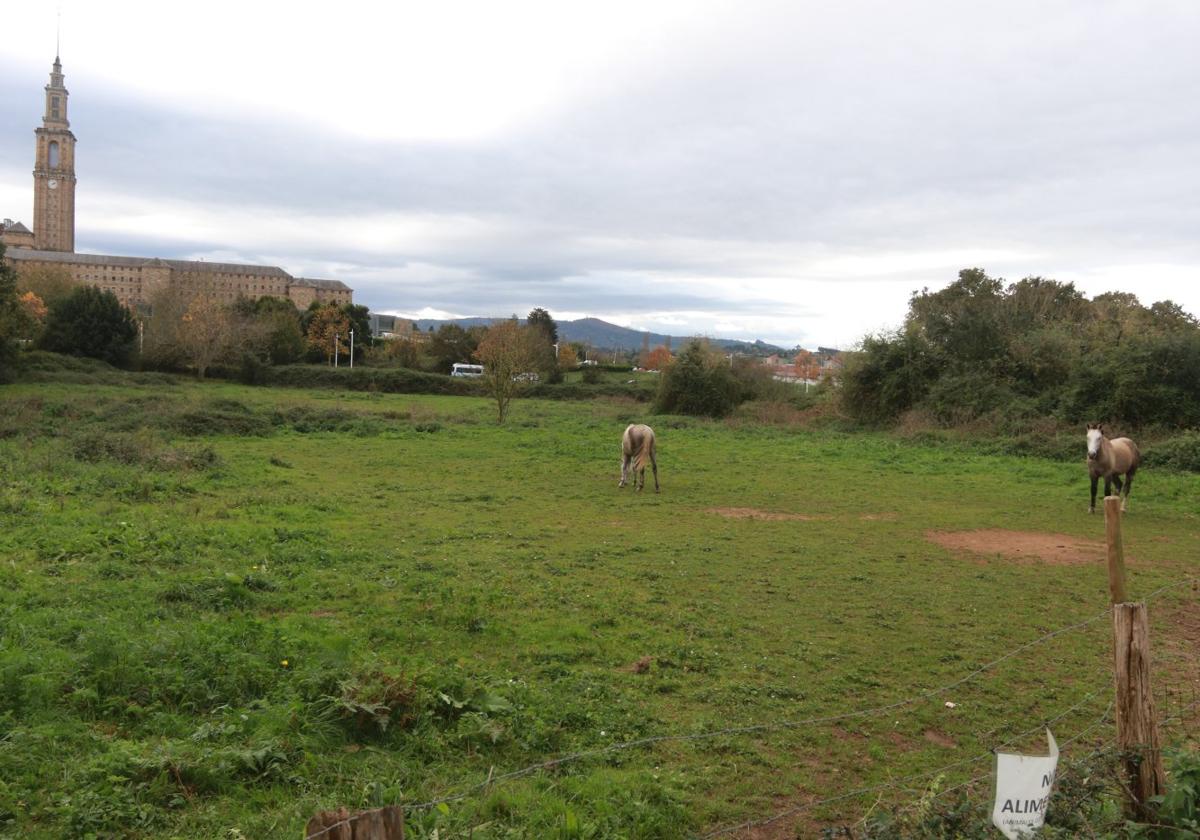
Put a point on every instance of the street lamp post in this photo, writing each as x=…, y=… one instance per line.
x=336, y=339
x=352, y=348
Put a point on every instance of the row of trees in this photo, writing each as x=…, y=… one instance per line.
x=185, y=326
x=191, y=328
x=981, y=348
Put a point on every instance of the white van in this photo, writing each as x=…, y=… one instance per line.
x=460, y=369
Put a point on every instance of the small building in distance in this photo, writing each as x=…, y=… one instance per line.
x=389, y=327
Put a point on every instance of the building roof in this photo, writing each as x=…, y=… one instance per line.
x=328, y=285
x=15, y=227
x=228, y=268
x=32, y=255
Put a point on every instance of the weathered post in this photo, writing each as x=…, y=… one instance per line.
x=1137, y=724
x=378, y=824
x=1116, y=549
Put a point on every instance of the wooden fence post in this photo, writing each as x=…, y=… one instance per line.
x=378, y=824
x=1137, y=723
x=1116, y=549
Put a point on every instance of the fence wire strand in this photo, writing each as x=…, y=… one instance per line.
x=786, y=725
x=797, y=809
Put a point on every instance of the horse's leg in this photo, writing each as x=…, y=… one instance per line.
x=654, y=466
x=624, y=469
x=1092, y=506
x=641, y=475
x=1107, y=486
x=1117, y=483
x=1128, y=487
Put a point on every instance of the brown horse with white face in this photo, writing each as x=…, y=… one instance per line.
x=1110, y=459
x=637, y=447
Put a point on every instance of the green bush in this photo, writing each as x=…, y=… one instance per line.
x=980, y=350
x=252, y=370
x=698, y=382
x=214, y=421
x=1179, y=808
x=43, y=366
x=1181, y=452
x=89, y=322
x=890, y=375
x=386, y=380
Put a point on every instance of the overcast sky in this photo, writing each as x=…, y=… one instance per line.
x=787, y=171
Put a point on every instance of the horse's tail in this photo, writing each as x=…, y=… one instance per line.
x=646, y=449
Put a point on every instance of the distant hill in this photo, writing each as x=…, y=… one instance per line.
x=605, y=336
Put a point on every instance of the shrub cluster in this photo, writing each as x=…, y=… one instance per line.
x=698, y=382
x=979, y=349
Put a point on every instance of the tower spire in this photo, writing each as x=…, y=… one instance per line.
x=54, y=171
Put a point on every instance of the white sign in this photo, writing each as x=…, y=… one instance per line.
x=1023, y=787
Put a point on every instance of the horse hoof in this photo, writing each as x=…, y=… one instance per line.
x=1091, y=510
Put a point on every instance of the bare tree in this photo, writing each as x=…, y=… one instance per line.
x=206, y=332
x=508, y=353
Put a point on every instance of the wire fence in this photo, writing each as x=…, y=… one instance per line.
x=780, y=725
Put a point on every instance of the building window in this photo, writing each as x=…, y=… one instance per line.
x=53, y=154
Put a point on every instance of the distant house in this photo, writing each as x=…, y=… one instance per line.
x=389, y=327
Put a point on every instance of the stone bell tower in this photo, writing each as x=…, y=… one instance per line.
x=54, y=172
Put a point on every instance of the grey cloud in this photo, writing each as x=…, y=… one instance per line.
x=1064, y=129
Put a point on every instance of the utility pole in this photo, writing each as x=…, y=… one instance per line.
x=336, y=338
x=352, y=349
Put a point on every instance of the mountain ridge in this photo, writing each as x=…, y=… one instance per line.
x=607, y=336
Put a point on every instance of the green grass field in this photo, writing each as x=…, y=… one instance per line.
x=224, y=608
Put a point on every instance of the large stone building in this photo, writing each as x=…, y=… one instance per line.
x=50, y=246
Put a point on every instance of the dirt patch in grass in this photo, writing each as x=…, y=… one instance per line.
x=754, y=513
x=933, y=736
x=1022, y=546
x=879, y=517
x=641, y=666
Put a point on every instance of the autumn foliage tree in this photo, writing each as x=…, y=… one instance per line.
x=12, y=314
x=657, y=359
x=327, y=325
x=507, y=352
x=806, y=365
x=567, y=357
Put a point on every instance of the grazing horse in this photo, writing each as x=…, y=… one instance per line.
x=1110, y=459
x=637, y=447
